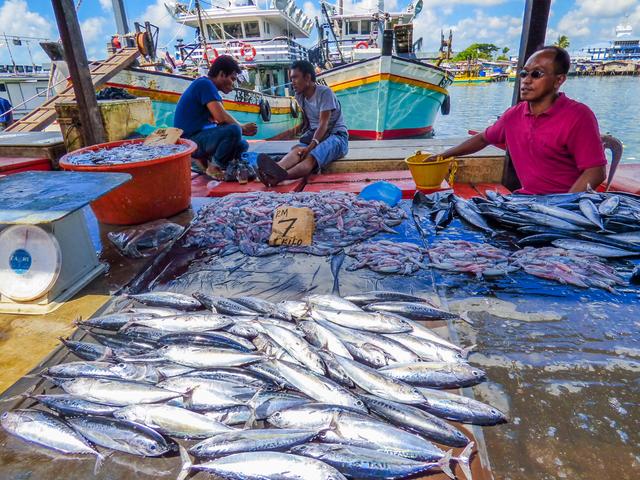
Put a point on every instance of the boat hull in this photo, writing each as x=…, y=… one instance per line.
x=165, y=89
x=388, y=97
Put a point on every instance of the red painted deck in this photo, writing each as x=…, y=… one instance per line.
x=627, y=179
x=11, y=165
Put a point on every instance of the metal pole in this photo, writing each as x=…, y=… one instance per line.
x=121, y=17
x=71, y=36
x=203, y=38
x=534, y=31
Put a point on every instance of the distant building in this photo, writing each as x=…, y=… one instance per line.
x=623, y=48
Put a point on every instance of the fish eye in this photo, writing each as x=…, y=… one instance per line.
x=277, y=414
x=153, y=447
x=475, y=373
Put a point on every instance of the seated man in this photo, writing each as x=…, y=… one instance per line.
x=203, y=119
x=326, y=138
x=6, y=115
x=554, y=142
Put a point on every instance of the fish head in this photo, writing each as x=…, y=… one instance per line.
x=10, y=420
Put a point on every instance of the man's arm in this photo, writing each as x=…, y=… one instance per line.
x=220, y=115
x=472, y=145
x=590, y=177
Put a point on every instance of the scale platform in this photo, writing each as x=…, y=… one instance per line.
x=46, y=253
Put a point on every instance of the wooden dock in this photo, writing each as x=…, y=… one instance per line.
x=485, y=166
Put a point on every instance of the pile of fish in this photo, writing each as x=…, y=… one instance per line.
x=242, y=222
x=317, y=389
x=387, y=257
x=601, y=224
x=481, y=259
x=567, y=267
x=128, y=153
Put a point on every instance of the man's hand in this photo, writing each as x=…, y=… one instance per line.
x=249, y=129
x=304, y=152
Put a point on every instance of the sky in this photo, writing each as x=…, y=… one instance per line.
x=585, y=22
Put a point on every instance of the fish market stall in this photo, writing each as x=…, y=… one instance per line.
x=536, y=325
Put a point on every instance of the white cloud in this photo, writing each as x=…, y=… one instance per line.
x=106, y=4
x=574, y=26
x=17, y=19
x=170, y=29
x=311, y=10
x=604, y=8
x=93, y=29
x=482, y=3
x=503, y=31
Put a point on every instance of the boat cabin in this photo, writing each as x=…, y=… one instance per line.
x=263, y=40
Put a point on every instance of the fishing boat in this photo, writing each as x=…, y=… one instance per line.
x=400, y=94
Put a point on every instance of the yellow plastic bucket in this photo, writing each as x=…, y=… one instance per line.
x=428, y=170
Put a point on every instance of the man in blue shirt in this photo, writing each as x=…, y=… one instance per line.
x=6, y=116
x=203, y=119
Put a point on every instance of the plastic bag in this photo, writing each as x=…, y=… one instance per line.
x=146, y=239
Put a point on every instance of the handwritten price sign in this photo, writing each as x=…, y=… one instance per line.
x=292, y=227
x=163, y=136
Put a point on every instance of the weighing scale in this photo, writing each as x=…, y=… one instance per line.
x=46, y=253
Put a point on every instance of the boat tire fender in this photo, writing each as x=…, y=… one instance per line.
x=445, y=108
x=265, y=110
x=293, y=106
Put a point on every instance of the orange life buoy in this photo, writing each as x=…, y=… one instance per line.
x=248, y=52
x=211, y=54
x=362, y=45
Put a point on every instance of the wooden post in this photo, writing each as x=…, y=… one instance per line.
x=71, y=36
x=534, y=31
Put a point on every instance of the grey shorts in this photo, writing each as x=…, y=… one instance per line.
x=331, y=148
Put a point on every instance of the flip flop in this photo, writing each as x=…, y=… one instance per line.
x=269, y=171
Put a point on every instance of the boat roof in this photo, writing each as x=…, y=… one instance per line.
x=290, y=17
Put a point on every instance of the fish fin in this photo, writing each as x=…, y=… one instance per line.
x=108, y=355
x=465, y=317
x=185, y=470
x=464, y=459
x=444, y=465
x=187, y=397
x=78, y=320
x=465, y=351
x=126, y=325
x=100, y=458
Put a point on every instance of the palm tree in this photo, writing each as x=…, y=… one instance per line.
x=562, y=41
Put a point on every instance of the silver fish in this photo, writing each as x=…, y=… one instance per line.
x=365, y=463
x=297, y=347
x=114, y=392
x=167, y=299
x=371, y=322
x=174, y=421
x=73, y=405
x=561, y=213
x=428, y=351
x=416, y=420
x=332, y=301
x=264, y=465
x=374, y=382
x=460, y=408
x=593, y=248
x=195, y=322
x=589, y=210
x=317, y=387
x=122, y=436
x=207, y=357
x=237, y=414
x=471, y=215
x=414, y=311
x=45, y=429
x=435, y=374
x=382, y=296
x=321, y=337
x=264, y=307
x=114, y=321
x=224, y=305
x=251, y=441
x=609, y=205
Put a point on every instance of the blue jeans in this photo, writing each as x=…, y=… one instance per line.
x=220, y=144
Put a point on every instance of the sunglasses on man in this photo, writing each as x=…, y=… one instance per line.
x=535, y=74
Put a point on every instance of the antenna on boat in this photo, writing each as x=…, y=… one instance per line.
x=203, y=38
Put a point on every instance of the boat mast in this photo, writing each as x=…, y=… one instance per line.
x=121, y=17
x=203, y=39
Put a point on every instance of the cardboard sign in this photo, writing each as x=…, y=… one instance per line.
x=292, y=227
x=164, y=136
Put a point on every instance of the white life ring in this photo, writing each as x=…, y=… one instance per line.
x=248, y=52
x=212, y=54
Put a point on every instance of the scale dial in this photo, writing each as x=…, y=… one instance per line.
x=30, y=262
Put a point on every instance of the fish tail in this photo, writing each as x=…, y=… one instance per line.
x=466, y=351
x=185, y=470
x=464, y=459
x=78, y=320
x=444, y=465
x=465, y=317
x=108, y=355
x=100, y=458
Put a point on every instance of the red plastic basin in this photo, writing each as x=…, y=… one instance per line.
x=159, y=188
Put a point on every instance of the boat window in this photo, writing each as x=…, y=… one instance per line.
x=352, y=27
x=365, y=27
x=214, y=31
x=29, y=68
x=233, y=30
x=251, y=29
x=20, y=68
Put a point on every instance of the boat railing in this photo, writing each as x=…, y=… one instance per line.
x=276, y=50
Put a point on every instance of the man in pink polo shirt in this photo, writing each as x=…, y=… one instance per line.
x=554, y=142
